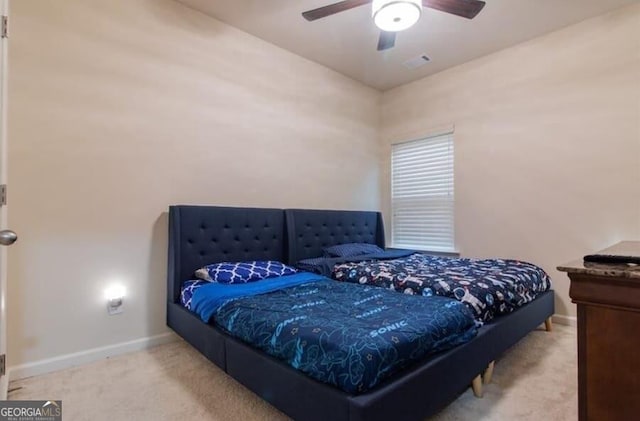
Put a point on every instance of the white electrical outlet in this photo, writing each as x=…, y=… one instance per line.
x=115, y=298
x=115, y=306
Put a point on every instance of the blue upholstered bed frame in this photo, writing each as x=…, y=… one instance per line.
x=311, y=230
x=199, y=235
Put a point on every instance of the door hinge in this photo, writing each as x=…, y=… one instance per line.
x=3, y=194
x=5, y=27
x=3, y=362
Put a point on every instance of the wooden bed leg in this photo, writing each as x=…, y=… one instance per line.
x=488, y=373
x=476, y=385
x=548, y=324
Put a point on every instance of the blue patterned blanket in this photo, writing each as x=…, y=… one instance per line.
x=325, y=265
x=489, y=287
x=346, y=335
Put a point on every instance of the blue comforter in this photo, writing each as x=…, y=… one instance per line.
x=325, y=265
x=346, y=335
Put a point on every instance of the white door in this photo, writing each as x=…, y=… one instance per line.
x=6, y=237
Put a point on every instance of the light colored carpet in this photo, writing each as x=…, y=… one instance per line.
x=535, y=380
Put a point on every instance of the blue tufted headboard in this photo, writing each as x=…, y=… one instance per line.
x=309, y=231
x=199, y=235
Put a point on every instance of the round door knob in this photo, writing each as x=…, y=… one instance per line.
x=7, y=237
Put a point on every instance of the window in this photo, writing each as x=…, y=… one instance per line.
x=422, y=199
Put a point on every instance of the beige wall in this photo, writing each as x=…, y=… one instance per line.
x=547, y=138
x=120, y=108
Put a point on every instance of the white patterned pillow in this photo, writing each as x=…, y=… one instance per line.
x=243, y=272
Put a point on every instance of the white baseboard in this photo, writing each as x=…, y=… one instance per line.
x=85, y=357
x=565, y=320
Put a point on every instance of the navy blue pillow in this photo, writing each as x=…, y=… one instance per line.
x=352, y=249
x=243, y=272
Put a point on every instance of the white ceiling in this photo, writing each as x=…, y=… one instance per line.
x=346, y=42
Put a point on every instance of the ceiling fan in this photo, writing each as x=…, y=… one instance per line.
x=393, y=16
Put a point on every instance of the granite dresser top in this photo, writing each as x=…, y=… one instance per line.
x=626, y=270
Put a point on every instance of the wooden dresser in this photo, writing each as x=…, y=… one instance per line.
x=608, y=301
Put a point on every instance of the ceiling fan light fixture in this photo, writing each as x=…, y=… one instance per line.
x=396, y=15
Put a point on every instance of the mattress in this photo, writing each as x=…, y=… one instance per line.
x=350, y=336
x=489, y=287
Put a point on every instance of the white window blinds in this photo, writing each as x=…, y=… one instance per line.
x=422, y=198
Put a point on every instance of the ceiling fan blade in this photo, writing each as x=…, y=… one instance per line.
x=332, y=9
x=465, y=8
x=387, y=40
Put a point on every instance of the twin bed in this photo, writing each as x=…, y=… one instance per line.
x=319, y=349
x=489, y=287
